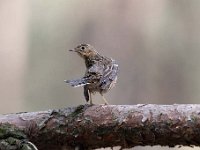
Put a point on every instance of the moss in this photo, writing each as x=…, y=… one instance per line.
x=79, y=109
x=193, y=118
x=12, y=141
x=12, y=138
x=26, y=147
x=7, y=130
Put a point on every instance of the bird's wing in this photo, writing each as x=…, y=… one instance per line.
x=94, y=73
x=110, y=75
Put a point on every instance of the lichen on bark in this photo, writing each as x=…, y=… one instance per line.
x=13, y=138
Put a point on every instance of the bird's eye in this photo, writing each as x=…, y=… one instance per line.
x=82, y=48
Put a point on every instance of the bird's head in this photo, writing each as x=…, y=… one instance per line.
x=85, y=50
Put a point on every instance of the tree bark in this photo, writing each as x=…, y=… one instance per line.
x=97, y=126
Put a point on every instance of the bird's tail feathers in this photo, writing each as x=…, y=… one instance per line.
x=77, y=82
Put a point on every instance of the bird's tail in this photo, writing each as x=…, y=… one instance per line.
x=77, y=82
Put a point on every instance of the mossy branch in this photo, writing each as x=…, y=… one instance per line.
x=96, y=126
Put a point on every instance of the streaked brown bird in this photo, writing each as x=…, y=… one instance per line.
x=101, y=72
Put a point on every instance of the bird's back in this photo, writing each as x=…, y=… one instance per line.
x=103, y=72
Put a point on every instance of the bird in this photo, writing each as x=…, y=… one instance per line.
x=101, y=72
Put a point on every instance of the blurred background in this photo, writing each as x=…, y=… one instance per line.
x=156, y=43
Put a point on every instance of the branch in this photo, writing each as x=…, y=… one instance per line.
x=90, y=127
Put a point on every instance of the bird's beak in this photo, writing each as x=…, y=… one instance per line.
x=73, y=50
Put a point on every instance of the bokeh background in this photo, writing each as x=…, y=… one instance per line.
x=156, y=43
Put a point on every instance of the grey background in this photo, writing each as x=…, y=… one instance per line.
x=156, y=43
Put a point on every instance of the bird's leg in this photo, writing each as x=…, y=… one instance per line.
x=90, y=98
x=104, y=99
